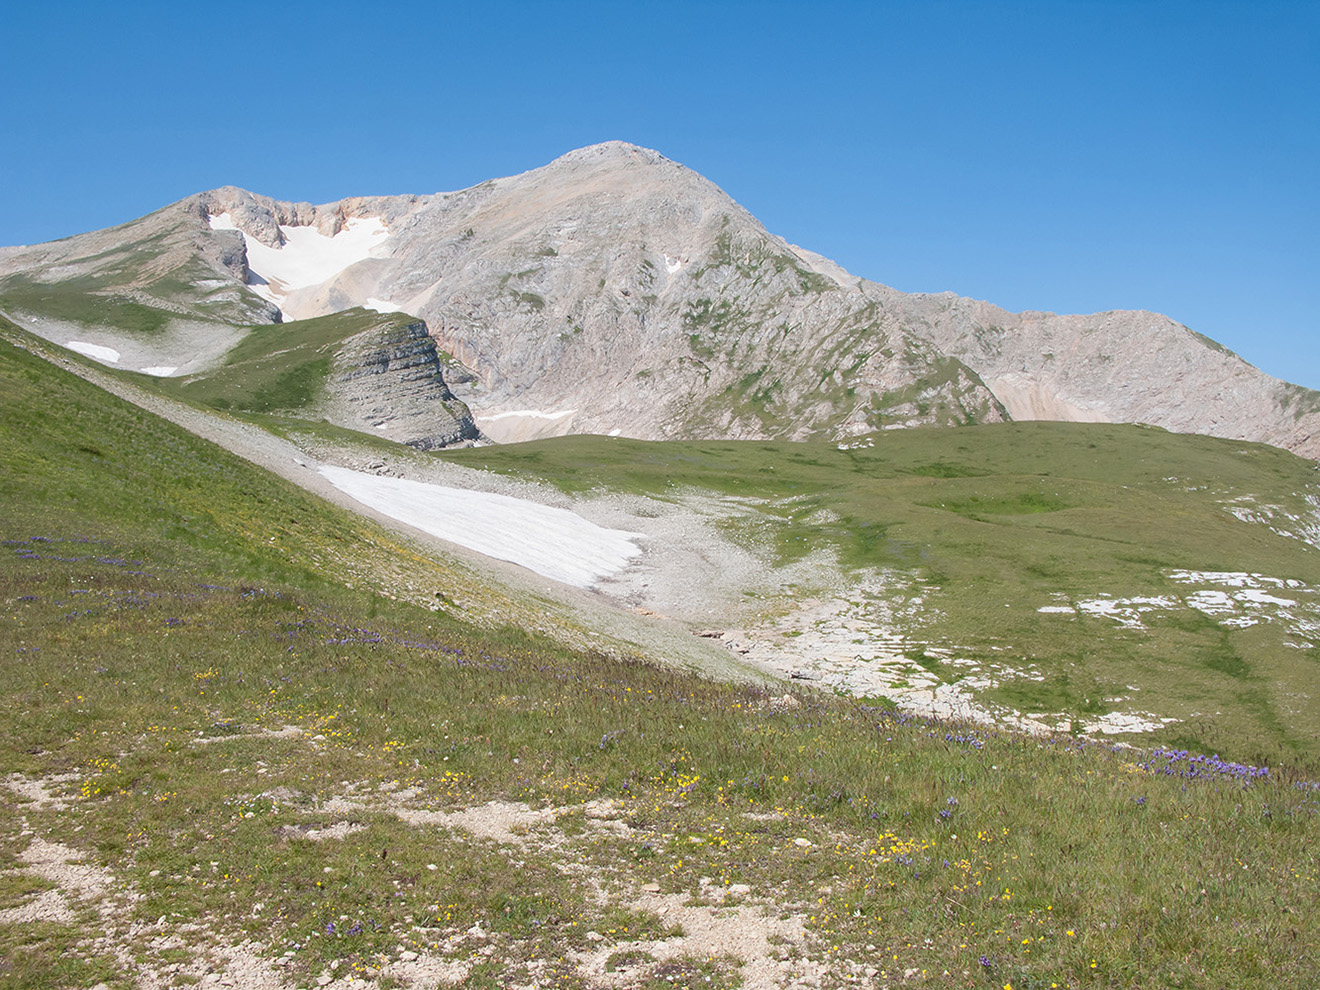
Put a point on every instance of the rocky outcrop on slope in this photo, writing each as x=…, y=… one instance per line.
x=391, y=381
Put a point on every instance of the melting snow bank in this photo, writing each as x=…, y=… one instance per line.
x=108, y=354
x=555, y=543
x=307, y=257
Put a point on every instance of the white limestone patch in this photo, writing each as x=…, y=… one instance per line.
x=1212, y=602
x=865, y=643
x=550, y=541
x=1121, y=722
x=98, y=351
x=1236, y=599
x=1303, y=526
x=339, y=830
x=1233, y=579
x=864, y=443
x=1127, y=612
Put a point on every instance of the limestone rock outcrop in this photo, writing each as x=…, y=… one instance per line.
x=390, y=381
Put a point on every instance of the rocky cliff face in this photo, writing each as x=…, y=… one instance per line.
x=390, y=381
x=615, y=291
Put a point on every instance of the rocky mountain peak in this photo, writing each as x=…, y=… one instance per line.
x=616, y=291
x=615, y=152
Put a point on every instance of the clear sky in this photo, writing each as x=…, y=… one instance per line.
x=1064, y=155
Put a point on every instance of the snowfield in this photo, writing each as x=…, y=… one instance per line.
x=107, y=354
x=307, y=256
x=550, y=541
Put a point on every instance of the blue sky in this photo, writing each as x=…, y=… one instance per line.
x=1068, y=156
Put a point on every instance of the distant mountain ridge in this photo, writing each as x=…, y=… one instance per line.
x=616, y=291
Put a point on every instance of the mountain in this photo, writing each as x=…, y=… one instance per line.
x=614, y=291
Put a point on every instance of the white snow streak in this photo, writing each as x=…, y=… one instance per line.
x=108, y=354
x=161, y=371
x=526, y=413
x=553, y=542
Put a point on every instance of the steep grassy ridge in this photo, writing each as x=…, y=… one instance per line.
x=1000, y=521
x=280, y=366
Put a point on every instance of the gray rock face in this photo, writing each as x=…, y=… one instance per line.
x=390, y=381
x=1122, y=367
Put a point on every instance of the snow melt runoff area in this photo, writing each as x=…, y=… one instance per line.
x=553, y=542
x=307, y=257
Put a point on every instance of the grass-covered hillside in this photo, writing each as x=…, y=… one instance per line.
x=1068, y=573
x=278, y=366
x=227, y=761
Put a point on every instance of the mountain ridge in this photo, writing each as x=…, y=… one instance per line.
x=616, y=291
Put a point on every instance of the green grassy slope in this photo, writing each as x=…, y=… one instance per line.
x=280, y=366
x=1003, y=520
x=193, y=695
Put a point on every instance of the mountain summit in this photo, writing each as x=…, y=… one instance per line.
x=615, y=291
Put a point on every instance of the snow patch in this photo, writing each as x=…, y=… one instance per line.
x=383, y=305
x=552, y=542
x=672, y=265
x=526, y=414
x=160, y=371
x=107, y=354
x=307, y=257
